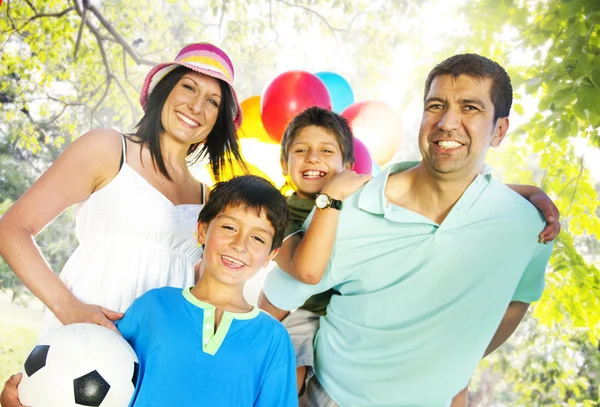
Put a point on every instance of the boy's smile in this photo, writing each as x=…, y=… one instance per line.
x=314, y=158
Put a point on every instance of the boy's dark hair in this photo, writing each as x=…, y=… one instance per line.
x=249, y=192
x=478, y=67
x=331, y=122
x=221, y=144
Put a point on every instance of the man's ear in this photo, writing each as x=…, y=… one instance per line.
x=499, y=131
x=201, y=233
x=349, y=165
x=271, y=256
x=284, y=167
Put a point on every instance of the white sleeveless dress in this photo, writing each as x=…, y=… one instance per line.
x=131, y=239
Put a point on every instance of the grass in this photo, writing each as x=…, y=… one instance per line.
x=16, y=341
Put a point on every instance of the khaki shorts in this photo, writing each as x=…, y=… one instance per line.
x=302, y=326
x=315, y=395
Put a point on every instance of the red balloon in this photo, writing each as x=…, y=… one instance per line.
x=287, y=95
x=363, y=164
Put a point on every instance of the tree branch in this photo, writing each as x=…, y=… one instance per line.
x=223, y=5
x=126, y=98
x=85, y=5
x=576, y=185
x=311, y=11
x=31, y=6
x=126, y=74
x=42, y=15
x=119, y=38
x=271, y=21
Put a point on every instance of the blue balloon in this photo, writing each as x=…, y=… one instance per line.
x=376, y=169
x=339, y=90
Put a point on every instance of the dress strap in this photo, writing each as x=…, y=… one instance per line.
x=123, y=151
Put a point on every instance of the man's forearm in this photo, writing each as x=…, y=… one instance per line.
x=511, y=320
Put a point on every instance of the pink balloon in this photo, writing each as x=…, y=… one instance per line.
x=363, y=163
x=378, y=126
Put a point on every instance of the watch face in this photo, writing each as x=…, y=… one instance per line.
x=321, y=201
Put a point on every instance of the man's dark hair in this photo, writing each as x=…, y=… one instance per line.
x=221, y=144
x=249, y=192
x=329, y=121
x=478, y=67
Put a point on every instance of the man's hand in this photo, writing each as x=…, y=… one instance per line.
x=10, y=394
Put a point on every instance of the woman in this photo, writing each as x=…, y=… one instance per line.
x=136, y=198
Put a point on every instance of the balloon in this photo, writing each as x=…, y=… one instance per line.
x=378, y=126
x=362, y=159
x=261, y=158
x=286, y=96
x=339, y=90
x=252, y=125
x=234, y=169
x=376, y=170
x=264, y=156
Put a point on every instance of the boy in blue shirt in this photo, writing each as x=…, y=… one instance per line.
x=206, y=345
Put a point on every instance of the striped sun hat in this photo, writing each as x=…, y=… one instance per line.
x=204, y=58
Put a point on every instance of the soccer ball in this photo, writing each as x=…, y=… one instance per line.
x=79, y=365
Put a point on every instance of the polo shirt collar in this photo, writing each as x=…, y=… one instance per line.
x=372, y=196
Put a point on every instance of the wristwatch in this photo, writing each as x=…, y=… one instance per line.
x=324, y=201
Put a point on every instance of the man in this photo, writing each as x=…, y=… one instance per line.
x=436, y=262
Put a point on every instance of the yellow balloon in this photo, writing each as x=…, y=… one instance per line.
x=252, y=125
x=234, y=169
x=261, y=159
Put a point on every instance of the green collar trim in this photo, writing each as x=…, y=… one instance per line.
x=211, y=340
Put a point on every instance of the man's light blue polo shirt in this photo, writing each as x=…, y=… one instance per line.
x=419, y=301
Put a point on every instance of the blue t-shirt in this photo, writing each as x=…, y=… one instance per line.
x=248, y=361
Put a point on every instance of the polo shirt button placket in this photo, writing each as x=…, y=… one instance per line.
x=207, y=328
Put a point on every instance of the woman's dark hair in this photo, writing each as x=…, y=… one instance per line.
x=249, y=192
x=221, y=145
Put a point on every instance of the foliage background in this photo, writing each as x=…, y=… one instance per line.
x=69, y=65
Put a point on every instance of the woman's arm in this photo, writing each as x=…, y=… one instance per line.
x=84, y=167
x=544, y=204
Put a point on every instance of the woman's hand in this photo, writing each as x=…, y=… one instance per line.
x=80, y=312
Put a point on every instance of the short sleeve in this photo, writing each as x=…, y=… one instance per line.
x=279, y=386
x=287, y=293
x=128, y=325
x=132, y=326
x=531, y=285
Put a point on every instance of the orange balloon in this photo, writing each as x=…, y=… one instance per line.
x=378, y=126
x=252, y=125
